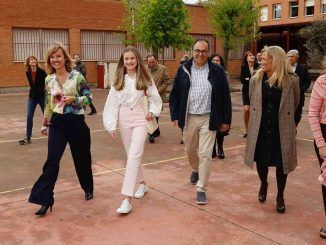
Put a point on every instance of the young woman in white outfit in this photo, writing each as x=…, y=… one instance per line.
x=124, y=106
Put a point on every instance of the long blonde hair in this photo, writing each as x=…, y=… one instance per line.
x=280, y=66
x=53, y=49
x=143, y=79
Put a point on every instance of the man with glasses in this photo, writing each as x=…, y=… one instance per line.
x=200, y=104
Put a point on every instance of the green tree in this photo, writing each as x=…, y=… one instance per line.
x=315, y=36
x=234, y=22
x=159, y=24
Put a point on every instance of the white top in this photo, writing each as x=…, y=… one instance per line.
x=130, y=97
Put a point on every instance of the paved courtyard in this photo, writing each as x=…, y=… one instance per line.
x=168, y=213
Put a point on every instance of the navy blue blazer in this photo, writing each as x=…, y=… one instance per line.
x=221, y=112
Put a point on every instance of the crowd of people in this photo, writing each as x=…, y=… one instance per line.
x=273, y=87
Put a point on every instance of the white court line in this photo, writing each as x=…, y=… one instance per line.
x=120, y=169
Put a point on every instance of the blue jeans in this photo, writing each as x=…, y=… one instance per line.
x=31, y=105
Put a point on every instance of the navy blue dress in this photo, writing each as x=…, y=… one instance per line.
x=268, y=146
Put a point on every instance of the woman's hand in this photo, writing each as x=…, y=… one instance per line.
x=68, y=99
x=44, y=130
x=149, y=116
x=113, y=134
x=224, y=127
x=322, y=152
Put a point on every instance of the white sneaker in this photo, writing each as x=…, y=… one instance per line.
x=142, y=189
x=125, y=207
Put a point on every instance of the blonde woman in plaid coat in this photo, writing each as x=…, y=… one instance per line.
x=274, y=96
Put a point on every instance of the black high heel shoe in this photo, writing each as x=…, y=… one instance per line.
x=42, y=211
x=262, y=194
x=280, y=205
x=88, y=196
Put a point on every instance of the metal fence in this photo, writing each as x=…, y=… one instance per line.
x=102, y=45
x=35, y=42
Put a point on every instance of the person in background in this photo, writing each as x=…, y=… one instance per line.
x=217, y=59
x=161, y=79
x=67, y=94
x=274, y=95
x=80, y=66
x=317, y=120
x=200, y=104
x=36, y=79
x=185, y=58
x=304, y=79
x=247, y=70
x=124, y=106
x=258, y=58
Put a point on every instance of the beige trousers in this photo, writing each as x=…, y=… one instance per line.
x=199, y=142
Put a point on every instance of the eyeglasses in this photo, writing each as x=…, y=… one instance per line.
x=198, y=51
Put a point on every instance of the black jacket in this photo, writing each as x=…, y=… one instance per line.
x=245, y=74
x=37, y=89
x=80, y=66
x=221, y=111
x=304, y=80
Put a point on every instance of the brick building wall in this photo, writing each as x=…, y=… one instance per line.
x=74, y=16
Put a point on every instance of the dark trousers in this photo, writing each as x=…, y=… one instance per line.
x=262, y=170
x=157, y=132
x=323, y=188
x=91, y=105
x=298, y=115
x=66, y=128
x=219, y=140
x=31, y=106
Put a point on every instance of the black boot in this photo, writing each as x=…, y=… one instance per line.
x=280, y=205
x=42, y=211
x=262, y=194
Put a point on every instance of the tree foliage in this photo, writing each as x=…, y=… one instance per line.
x=159, y=24
x=234, y=22
x=315, y=36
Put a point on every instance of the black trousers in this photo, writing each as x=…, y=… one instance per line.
x=219, y=140
x=298, y=115
x=262, y=170
x=323, y=188
x=91, y=105
x=66, y=128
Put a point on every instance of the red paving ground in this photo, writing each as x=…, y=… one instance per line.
x=168, y=213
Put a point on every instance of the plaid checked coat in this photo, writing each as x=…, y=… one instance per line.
x=289, y=102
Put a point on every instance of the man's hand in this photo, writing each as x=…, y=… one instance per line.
x=175, y=123
x=224, y=127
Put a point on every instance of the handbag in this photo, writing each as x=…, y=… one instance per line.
x=151, y=124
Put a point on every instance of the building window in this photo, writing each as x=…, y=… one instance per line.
x=294, y=9
x=168, y=52
x=264, y=13
x=323, y=7
x=35, y=42
x=209, y=38
x=277, y=11
x=102, y=45
x=309, y=7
